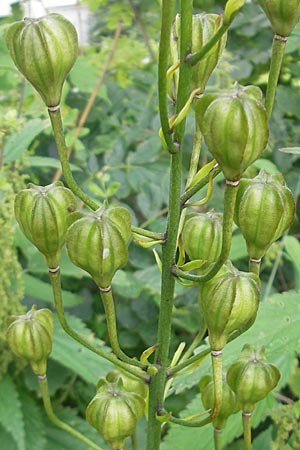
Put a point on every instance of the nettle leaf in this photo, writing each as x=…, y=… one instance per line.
x=74, y=356
x=276, y=327
x=127, y=284
x=58, y=439
x=11, y=417
x=7, y=440
x=35, y=437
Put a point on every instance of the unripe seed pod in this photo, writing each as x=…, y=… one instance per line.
x=202, y=236
x=44, y=50
x=130, y=382
x=98, y=243
x=30, y=336
x=234, y=127
x=114, y=412
x=265, y=208
x=204, y=26
x=229, y=405
x=42, y=214
x=229, y=302
x=283, y=14
x=252, y=377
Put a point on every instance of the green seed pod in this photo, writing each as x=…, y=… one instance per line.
x=283, y=14
x=30, y=336
x=44, y=50
x=130, y=382
x=230, y=302
x=42, y=214
x=98, y=243
x=203, y=28
x=252, y=377
x=265, y=209
x=235, y=128
x=229, y=405
x=114, y=412
x=202, y=236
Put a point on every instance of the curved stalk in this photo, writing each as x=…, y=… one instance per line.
x=173, y=371
x=218, y=438
x=43, y=382
x=58, y=132
x=194, y=58
x=56, y=287
x=190, y=424
x=279, y=43
x=158, y=381
x=110, y=314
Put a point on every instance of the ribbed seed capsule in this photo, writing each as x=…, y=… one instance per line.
x=229, y=302
x=30, y=336
x=202, y=236
x=98, y=243
x=44, y=50
x=114, y=412
x=265, y=208
x=42, y=214
x=252, y=377
x=235, y=128
x=283, y=14
x=203, y=28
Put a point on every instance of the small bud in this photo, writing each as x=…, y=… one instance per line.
x=98, y=243
x=252, y=377
x=44, y=50
x=283, y=14
x=42, y=214
x=265, y=208
x=114, y=412
x=234, y=127
x=202, y=236
x=30, y=337
x=229, y=302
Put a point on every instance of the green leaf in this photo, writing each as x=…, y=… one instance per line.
x=6, y=439
x=238, y=248
x=45, y=161
x=231, y=9
x=74, y=356
x=292, y=248
x=19, y=142
x=11, y=417
x=42, y=291
x=290, y=150
x=35, y=438
x=127, y=284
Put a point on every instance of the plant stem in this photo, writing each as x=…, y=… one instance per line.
x=254, y=266
x=194, y=58
x=110, y=314
x=43, y=382
x=203, y=182
x=147, y=233
x=156, y=396
x=192, y=360
x=217, y=366
x=56, y=287
x=247, y=430
x=190, y=424
x=198, y=338
x=218, y=438
x=278, y=47
x=163, y=58
x=58, y=132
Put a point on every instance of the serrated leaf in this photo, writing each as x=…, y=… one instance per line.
x=11, y=416
x=74, y=356
x=6, y=439
x=35, y=436
x=127, y=284
x=277, y=328
x=58, y=439
x=19, y=142
x=41, y=290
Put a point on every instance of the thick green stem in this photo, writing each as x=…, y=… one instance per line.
x=194, y=58
x=217, y=366
x=218, y=438
x=279, y=43
x=157, y=387
x=247, y=430
x=43, y=382
x=163, y=60
x=254, y=266
x=110, y=314
x=229, y=205
x=58, y=132
x=56, y=287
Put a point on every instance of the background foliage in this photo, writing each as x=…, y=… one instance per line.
x=117, y=156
